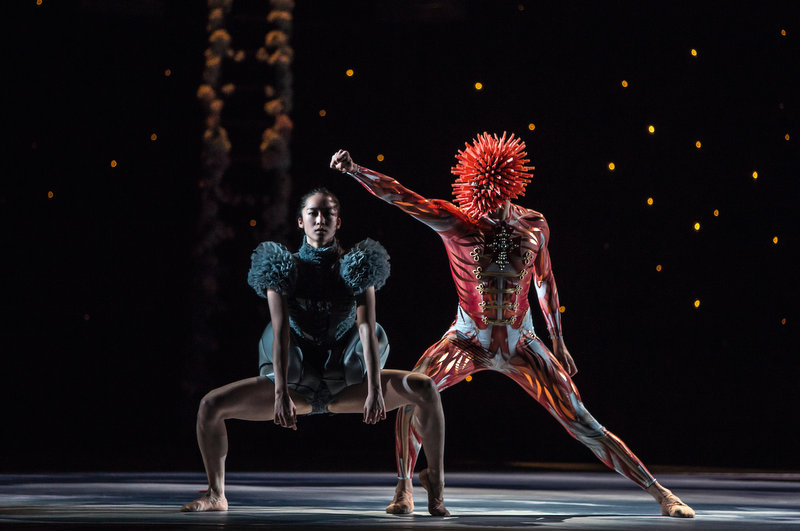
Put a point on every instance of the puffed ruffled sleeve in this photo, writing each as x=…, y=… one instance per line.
x=367, y=264
x=271, y=267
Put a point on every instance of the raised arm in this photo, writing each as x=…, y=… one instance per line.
x=547, y=292
x=285, y=411
x=374, y=408
x=439, y=215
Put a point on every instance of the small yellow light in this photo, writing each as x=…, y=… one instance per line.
x=786, y=136
x=651, y=129
x=694, y=52
x=349, y=72
x=38, y=2
x=775, y=240
x=113, y=163
x=478, y=85
x=783, y=321
x=697, y=144
x=153, y=137
x=658, y=268
x=532, y=126
x=650, y=201
x=168, y=72
x=697, y=225
x=252, y=223
x=50, y=194
x=624, y=84
x=783, y=31
x=380, y=157
x=755, y=175
x=323, y=112
x=716, y=213
x=611, y=166
x=562, y=309
x=468, y=378
x=697, y=303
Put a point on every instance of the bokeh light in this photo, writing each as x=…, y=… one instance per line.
x=562, y=309
x=153, y=137
x=775, y=240
x=755, y=175
x=113, y=163
x=783, y=321
x=532, y=126
x=168, y=72
x=697, y=144
x=716, y=213
x=783, y=32
x=694, y=52
x=650, y=201
x=252, y=223
x=786, y=136
x=658, y=268
x=697, y=303
x=323, y=113
x=611, y=166
x=478, y=85
x=624, y=84
x=697, y=225
x=349, y=72
x=50, y=194
x=651, y=129
x=380, y=157
x=468, y=378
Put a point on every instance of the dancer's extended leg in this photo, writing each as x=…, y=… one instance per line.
x=537, y=371
x=249, y=399
x=447, y=362
x=400, y=389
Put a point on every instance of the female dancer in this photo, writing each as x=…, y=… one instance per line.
x=323, y=352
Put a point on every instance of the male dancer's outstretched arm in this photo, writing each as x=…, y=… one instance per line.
x=439, y=215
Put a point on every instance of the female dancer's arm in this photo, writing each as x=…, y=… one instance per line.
x=285, y=412
x=374, y=407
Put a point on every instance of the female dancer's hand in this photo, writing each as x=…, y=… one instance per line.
x=285, y=411
x=374, y=408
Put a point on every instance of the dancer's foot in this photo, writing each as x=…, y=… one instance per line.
x=206, y=502
x=403, y=502
x=670, y=504
x=435, y=495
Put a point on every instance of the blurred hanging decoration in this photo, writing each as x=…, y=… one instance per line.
x=244, y=188
x=215, y=151
x=275, y=155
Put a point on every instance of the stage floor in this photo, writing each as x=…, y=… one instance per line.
x=545, y=500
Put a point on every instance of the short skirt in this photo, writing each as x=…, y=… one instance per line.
x=320, y=372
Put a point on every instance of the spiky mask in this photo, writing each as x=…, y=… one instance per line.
x=490, y=171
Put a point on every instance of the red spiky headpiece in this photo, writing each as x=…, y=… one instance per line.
x=490, y=171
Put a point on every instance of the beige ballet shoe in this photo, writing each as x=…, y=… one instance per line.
x=435, y=495
x=206, y=502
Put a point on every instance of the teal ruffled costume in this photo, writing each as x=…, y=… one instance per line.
x=321, y=287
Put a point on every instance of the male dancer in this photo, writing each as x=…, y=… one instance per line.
x=496, y=251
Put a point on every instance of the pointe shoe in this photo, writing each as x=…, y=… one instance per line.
x=435, y=495
x=206, y=503
x=672, y=506
x=403, y=502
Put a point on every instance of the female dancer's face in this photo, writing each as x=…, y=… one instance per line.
x=319, y=219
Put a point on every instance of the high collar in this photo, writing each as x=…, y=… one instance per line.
x=322, y=255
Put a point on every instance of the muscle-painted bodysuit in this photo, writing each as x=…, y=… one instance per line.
x=494, y=264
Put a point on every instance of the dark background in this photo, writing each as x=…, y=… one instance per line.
x=102, y=367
